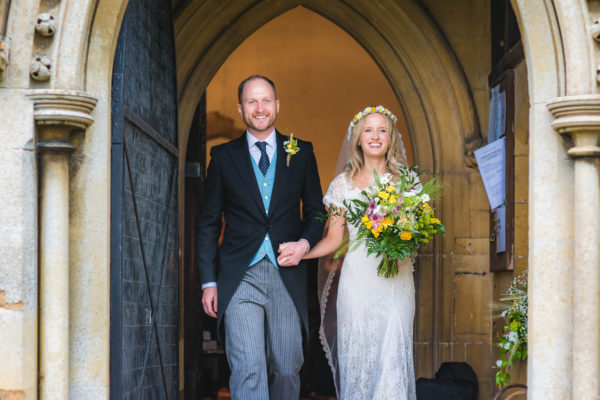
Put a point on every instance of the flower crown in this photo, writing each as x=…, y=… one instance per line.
x=371, y=110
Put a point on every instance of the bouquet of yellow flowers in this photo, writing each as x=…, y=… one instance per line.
x=394, y=217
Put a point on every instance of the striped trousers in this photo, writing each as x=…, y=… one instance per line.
x=263, y=337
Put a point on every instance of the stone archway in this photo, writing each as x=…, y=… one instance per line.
x=85, y=61
x=422, y=71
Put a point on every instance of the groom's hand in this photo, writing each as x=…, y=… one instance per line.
x=291, y=253
x=209, y=301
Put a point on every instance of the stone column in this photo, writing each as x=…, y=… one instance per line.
x=57, y=114
x=579, y=117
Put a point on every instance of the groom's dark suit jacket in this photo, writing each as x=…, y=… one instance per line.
x=231, y=189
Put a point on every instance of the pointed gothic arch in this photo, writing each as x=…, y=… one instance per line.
x=413, y=55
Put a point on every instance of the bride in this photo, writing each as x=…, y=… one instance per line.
x=371, y=350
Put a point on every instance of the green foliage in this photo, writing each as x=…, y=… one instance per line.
x=512, y=343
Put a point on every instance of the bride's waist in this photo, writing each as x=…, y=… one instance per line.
x=359, y=259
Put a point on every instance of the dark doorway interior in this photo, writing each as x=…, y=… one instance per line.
x=205, y=366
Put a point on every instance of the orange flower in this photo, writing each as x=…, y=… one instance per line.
x=406, y=235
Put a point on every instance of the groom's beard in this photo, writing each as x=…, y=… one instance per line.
x=259, y=126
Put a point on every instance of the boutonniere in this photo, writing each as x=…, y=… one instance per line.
x=291, y=148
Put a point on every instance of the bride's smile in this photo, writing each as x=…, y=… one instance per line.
x=374, y=138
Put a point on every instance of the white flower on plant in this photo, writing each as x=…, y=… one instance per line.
x=425, y=198
x=411, y=193
x=513, y=336
x=506, y=345
x=385, y=179
x=499, y=363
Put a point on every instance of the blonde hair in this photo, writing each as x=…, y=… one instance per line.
x=394, y=157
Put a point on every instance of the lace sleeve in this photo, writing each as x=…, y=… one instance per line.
x=335, y=193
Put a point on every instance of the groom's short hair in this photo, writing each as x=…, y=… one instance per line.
x=251, y=78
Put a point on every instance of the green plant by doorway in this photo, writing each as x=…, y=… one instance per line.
x=512, y=343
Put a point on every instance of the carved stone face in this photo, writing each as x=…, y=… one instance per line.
x=45, y=24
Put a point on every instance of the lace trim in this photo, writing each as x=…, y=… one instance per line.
x=322, y=337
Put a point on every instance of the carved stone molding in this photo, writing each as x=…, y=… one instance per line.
x=63, y=107
x=4, y=59
x=470, y=147
x=40, y=69
x=579, y=116
x=45, y=24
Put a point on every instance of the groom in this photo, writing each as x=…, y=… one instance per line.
x=260, y=307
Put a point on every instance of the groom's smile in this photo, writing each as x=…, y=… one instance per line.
x=258, y=107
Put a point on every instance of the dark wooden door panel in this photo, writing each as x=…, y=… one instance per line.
x=144, y=216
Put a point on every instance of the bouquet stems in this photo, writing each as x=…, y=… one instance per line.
x=388, y=267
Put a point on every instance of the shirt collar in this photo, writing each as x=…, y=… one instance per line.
x=271, y=139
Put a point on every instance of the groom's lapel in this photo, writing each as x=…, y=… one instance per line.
x=240, y=157
x=281, y=174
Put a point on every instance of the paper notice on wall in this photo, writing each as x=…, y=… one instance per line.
x=500, y=224
x=491, y=160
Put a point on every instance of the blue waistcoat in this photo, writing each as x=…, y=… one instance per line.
x=265, y=187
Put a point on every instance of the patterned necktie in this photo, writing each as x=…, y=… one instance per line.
x=263, y=163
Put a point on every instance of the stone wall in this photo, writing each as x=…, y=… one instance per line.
x=465, y=325
x=19, y=211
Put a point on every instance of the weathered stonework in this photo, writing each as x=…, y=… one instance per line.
x=45, y=24
x=442, y=83
x=579, y=117
x=4, y=54
x=57, y=113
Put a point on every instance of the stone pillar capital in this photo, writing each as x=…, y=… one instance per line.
x=579, y=117
x=57, y=112
x=63, y=107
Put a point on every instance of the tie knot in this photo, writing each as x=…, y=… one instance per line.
x=262, y=146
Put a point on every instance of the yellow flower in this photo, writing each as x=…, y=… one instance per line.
x=436, y=221
x=289, y=146
x=368, y=225
x=365, y=219
x=390, y=189
x=406, y=235
x=377, y=231
x=403, y=220
x=392, y=199
x=383, y=195
x=292, y=152
x=387, y=222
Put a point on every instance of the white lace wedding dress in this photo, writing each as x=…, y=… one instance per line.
x=374, y=320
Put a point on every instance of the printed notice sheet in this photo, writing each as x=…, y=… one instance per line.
x=491, y=160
